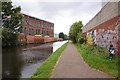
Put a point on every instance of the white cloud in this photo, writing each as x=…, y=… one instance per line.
x=62, y=14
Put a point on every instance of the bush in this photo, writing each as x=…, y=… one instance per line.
x=8, y=38
x=80, y=39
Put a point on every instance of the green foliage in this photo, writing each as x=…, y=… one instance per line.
x=45, y=70
x=80, y=39
x=61, y=35
x=74, y=30
x=20, y=43
x=8, y=38
x=14, y=22
x=97, y=57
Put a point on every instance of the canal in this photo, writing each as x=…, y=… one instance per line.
x=22, y=62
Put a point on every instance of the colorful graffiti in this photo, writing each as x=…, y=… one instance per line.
x=91, y=37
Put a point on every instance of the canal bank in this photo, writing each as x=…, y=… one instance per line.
x=22, y=62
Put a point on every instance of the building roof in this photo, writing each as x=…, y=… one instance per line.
x=37, y=18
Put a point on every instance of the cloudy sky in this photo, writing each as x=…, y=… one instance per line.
x=63, y=13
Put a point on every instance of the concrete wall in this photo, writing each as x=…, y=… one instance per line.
x=105, y=27
x=106, y=13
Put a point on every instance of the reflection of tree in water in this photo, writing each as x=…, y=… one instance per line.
x=11, y=64
x=15, y=59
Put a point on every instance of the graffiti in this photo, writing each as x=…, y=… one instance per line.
x=107, y=37
x=91, y=37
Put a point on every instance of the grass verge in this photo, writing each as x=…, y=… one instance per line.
x=45, y=70
x=96, y=57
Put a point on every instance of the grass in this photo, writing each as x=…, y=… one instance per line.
x=45, y=70
x=96, y=57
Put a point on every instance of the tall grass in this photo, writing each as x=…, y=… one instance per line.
x=97, y=57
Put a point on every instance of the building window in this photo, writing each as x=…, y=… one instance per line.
x=32, y=32
x=48, y=32
x=39, y=32
x=25, y=31
x=33, y=23
x=47, y=27
x=52, y=28
x=25, y=21
x=36, y=24
x=29, y=22
x=29, y=31
x=36, y=32
x=39, y=24
x=42, y=33
x=42, y=25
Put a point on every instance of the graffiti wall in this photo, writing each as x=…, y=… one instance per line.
x=105, y=34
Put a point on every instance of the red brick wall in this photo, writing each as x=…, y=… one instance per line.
x=48, y=39
x=107, y=33
x=30, y=39
x=38, y=39
x=21, y=37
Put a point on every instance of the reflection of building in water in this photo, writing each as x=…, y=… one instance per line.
x=105, y=27
x=15, y=60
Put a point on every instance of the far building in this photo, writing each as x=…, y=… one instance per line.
x=35, y=26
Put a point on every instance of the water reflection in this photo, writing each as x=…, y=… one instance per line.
x=22, y=62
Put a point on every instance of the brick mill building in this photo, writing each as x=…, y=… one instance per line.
x=36, y=30
x=104, y=28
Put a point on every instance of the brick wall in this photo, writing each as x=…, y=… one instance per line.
x=48, y=39
x=107, y=34
x=104, y=28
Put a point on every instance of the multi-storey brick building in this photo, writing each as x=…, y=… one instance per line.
x=104, y=28
x=34, y=26
x=36, y=30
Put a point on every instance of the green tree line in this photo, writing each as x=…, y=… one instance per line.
x=75, y=33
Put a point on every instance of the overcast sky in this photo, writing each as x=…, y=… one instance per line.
x=63, y=13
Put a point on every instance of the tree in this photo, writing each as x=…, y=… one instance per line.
x=12, y=24
x=12, y=19
x=61, y=35
x=74, y=30
x=8, y=38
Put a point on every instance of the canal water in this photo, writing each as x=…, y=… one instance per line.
x=22, y=62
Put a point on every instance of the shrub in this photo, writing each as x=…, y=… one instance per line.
x=8, y=38
x=80, y=39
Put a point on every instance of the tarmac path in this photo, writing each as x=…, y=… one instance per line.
x=71, y=65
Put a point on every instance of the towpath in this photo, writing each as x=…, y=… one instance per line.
x=71, y=65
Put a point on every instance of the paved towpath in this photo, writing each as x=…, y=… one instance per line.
x=71, y=65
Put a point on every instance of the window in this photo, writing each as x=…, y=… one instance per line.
x=39, y=32
x=52, y=28
x=36, y=24
x=48, y=32
x=39, y=24
x=25, y=31
x=29, y=22
x=47, y=27
x=32, y=32
x=42, y=25
x=29, y=31
x=25, y=21
x=36, y=32
x=33, y=23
